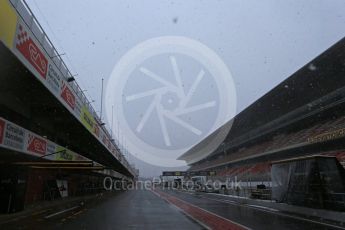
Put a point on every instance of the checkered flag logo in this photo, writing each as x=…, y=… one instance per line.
x=30, y=139
x=22, y=36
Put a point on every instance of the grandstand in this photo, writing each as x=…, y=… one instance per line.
x=303, y=115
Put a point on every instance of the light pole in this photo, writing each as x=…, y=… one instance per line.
x=118, y=129
x=112, y=121
x=101, y=100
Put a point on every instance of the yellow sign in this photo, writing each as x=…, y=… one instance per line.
x=87, y=119
x=64, y=154
x=328, y=136
x=8, y=23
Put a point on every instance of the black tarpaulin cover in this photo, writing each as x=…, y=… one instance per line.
x=315, y=181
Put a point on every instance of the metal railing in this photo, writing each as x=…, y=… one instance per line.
x=35, y=27
x=31, y=21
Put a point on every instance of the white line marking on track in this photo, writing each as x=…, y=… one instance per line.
x=63, y=211
x=277, y=213
x=263, y=207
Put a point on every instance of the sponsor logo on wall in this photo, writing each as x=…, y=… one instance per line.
x=63, y=187
x=96, y=130
x=68, y=96
x=53, y=79
x=67, y=155
x=87, y=119
x=27, y=48
x=104, y=139
x=14, y=136
x=2, y=128
x=64, y=154
x=77, y=108
x=37, y=145
x=51, y=148
x=31, y=52
x=8, y=23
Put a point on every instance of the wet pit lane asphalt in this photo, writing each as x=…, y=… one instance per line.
x=162, y=209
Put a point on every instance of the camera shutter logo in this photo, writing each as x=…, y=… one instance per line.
x=152, y=120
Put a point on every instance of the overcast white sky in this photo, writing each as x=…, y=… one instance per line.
x=262, y=42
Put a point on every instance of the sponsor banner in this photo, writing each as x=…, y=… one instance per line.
x=113, y=151
x=120, y=157
x=2, y=129
x=53, y=79
x=77, y=108
x=102, y=136
x=17, y=138
x=87, y=119
x=36, y=144
x=8, y=23
x=63, y=154
x=327, y=136
x=106, y=142
x=14, y=136
x=104, y=139
x=17, y=36
x=117, y=154
x=192, y=173
x=30, y=51
x=96, y=130
x=51, y=148
x=67, y=95
x=177, y=173
x=63, y=187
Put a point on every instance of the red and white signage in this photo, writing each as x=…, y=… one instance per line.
x=63, y=187
x=28, y=50
x=31, y=52
x=37, y=145
x=68, y=96
x=2, y=129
